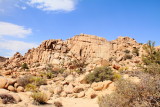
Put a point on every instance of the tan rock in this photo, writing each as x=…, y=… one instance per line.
x=63, y=94
x=86, y=48
x=16, y=97
x=20, y=89
x=7, y=73
x=97, y=86
x=12, y=81
x=78, y=89
x=16, y=85
x=3, y=91
x=69, y=78
x=81, y=79
x=3, y=82
x=81, y=94
x=11, y=88
x=58, y=90
x=1, y=102
x=68, y=89
x=90, y=93
x=106, y=84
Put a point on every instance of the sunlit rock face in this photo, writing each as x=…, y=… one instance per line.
x=89, y=48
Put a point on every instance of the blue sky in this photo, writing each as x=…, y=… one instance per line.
x=26, y=23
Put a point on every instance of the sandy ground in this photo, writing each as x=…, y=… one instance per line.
x=79, y=102
x=67, y=102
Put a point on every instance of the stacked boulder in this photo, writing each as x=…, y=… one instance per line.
x=92, y=50
x=10, y=84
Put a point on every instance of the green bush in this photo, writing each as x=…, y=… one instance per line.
x=31, y=82
x=31, y=87
x=52, y=72
x=38, y=81
x=24, y=66
x=100, y=74
x=116, y=76
x=151, y=59
x=153, y=68
x=48, y=74
x=123, y=69
x=152, y=55
x=128, y=94
x=39, y=98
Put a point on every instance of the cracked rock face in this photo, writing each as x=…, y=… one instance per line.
x=88, y=48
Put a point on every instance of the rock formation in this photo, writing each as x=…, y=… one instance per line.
x=2, y=60
x=93, y=50
x=79, y=53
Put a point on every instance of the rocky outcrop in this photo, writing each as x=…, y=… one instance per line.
x=10, y=84
x=2, y=60
x=89, y=49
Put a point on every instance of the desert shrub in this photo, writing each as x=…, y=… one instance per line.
x=6, y=98
x=31, y=83
x=152, y=55
x=48, y=74
x=152, y=69
x=127, y=56
x=100, y=74
x=116, y=76
x=31, y=87
x=123, y=69
x=78, y=71
x=58, y=104
x=151, y=59
x=52, y=72
x=38, y=81
x=23, y=81
x=129, y=94
x=39, y=98
x=127, y=51
x=24, y=66
x=135, y=51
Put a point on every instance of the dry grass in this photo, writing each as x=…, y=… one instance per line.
x=39, y=98
x=6, y=98
x=128, y=94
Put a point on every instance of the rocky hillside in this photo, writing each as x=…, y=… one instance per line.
x=64, y=72
x=2, y=60
x=90, y=50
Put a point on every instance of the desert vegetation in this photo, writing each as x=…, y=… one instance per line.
x=39, y=98
x=6, y=98
x=31, y=83
x=143, y=94
x=99, y=74
x=151, y=59
x=83, y=73
x=128, y=94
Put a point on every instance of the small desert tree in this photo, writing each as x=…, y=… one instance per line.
x=152, y=58
x=152, y=55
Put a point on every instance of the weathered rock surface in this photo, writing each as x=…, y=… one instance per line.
x=3, y=59
x=93, y=50
x=3, y=82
